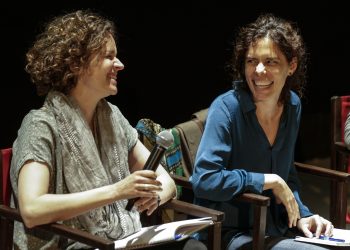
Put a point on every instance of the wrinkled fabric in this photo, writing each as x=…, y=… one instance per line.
x=233, y=155
x=80, y=159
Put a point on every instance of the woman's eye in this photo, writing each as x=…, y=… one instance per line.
x=250, y=61
x=271, y=62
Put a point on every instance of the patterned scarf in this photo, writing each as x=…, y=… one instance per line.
x=89, y=162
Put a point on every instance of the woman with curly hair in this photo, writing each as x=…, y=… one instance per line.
x=250, y=135
x=77, y=159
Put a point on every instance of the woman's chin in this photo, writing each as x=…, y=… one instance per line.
x=113, y=89
x=114, y=92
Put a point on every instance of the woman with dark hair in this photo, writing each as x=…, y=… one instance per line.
x=249, y=139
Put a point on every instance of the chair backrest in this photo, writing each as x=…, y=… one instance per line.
x=340, y=155
x=340, y=107
x=6, y=226
x=187, y=135
x=179, y=158
x=5, y=186
x=190, y=133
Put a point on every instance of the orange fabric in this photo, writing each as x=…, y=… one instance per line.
x=6, y=186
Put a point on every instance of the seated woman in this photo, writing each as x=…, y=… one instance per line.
x=249, y=139
x=77, y=159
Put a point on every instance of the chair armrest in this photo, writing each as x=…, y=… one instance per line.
x=338, y=195
x=259, y=202
x=255, y=199
x=341, y=147
x=214, y=233
x=194, y=210
x=63, y=230
x=323, y=172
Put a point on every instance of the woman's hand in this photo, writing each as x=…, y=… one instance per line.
x=147, y=203
x=137, y=159
x=283, y=195
x=315, y=224
x=141, y=183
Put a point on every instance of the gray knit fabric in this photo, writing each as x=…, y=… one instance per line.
x=58, y=135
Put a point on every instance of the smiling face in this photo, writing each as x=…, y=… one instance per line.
x=100, y=79
x=266, y=70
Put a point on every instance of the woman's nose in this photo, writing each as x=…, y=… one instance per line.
x=260, y=68
x=118, y=64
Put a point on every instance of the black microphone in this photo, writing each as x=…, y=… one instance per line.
x=163, y=140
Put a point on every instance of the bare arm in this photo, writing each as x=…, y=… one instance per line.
x=283, y=195
x=37, y=206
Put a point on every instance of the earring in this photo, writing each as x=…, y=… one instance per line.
x=290, y=73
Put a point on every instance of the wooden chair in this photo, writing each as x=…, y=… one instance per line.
x=340, y=160
x=190, y=133
x=8, y=215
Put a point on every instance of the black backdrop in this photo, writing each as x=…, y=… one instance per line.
x=175, y=56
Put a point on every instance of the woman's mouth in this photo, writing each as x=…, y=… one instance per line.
x=262, y=84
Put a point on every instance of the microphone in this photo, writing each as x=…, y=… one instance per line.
x=163, y=140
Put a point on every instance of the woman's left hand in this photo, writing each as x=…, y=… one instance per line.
x=315, y=224
x=146, y=203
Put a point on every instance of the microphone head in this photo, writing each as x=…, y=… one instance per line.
x=165, y=139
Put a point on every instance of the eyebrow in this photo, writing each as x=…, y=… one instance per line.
x=267, y=58
x=111, y=51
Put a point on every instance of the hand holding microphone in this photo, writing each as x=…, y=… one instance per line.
x=163, y=140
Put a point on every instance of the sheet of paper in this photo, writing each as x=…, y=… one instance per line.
x=340, y=237
x=177, y=230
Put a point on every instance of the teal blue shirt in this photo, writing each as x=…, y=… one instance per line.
x=233, y=155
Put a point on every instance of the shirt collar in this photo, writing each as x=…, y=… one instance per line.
x=247, y=103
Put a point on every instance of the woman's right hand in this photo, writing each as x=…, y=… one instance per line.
x=38, y=206
x=283, y=195
x=142, y=183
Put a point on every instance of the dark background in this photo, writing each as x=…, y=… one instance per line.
x=175, y=57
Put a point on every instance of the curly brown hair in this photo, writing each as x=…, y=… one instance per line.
x=64, y=48
x=285, y=35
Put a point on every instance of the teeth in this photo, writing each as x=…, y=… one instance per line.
x=263, y=84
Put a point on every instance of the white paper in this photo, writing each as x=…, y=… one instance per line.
x=337, y=234
x=177, y=230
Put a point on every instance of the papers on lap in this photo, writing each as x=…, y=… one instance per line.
x=340, y=237
x=173, y=231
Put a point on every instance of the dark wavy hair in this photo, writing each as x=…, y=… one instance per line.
x=64, y=48
x=285, y=35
